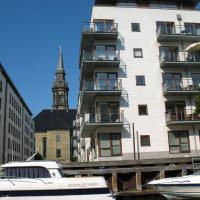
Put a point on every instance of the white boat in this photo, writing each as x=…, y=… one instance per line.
x=185, y=187
x=44, y=180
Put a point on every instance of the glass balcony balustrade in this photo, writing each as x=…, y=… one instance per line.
x=101, y=55
x=182, y=85
x=169, y=32
x=182, y=115
x=102, y=85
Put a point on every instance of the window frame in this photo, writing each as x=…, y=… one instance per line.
x=179, y=133
x=137, y=80
x=149, y=141
x=111, y=145
x=137, y=26
x=139, y=107
x=135, y=50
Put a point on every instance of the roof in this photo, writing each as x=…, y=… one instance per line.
x=48, y=120
x=12, y=85
x=46, y=164
x=114, y=2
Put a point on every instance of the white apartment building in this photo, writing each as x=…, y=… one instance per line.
x=16, y=124
x=139, y=76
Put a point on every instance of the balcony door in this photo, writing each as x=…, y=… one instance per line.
x=165, y=27
x=105, y=52
x=169, y=53
x=192, y=28
x=176, y=109
x=101, y=25
x=106, y=81
x=108, y=112
x=172, y=81
x=196, y=80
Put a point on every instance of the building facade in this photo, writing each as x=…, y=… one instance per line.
x=53, y=127
x=16, y=123
x=139, y=75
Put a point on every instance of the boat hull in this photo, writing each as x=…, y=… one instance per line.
x=179, y=191
x=62, y=197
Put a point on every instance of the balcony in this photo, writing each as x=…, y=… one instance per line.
x=180, y=87
x=98, y=87
x=93, y=121
x=179, y=59
x=98, y=31
x=92, y=59
x=187, y=116
x=178, y=33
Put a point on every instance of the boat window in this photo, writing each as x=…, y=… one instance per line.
x=61, y=172
x=27, y=172
x=2, y=173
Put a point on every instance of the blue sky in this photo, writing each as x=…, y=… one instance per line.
x=31, y=32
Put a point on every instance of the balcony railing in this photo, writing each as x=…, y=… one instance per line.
x=103, y=117
x=102, y=84
x=185, y=33
x=100, y=27
x=184, y=115
x=101, y=55
x=181, y=56
x=91, y=121
x=180, y=85
x=178, y=30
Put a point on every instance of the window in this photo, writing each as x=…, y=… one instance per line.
x=44, y=146
x=140, y=80
x=192, y=28
x=145, y=140
x=135, y=27
x=138, y=53
x=179, y=142
x=142, y=110
x=58, y=138
x=1, y=86
x=26, y=172
x=58, y=153
x=109, y=144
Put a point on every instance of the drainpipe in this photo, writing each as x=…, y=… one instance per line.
x=134, y=141
x=195, y=141
x=138, y=148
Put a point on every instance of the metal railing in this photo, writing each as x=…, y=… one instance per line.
x=102, y=118
x=100, y=27
x=187, y=114
x=181, y=85
x=181, y=56
x=102, y=84
x=101, y=55
x=177, y=30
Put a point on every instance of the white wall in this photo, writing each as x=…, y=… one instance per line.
x=154, y=123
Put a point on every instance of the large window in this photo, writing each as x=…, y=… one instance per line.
x=44, y=147
x=179, y=142
x=58, y=153
x=110, y=144
x=192, y=28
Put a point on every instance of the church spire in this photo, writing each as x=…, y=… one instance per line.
x=60, y=65
x=60, y=87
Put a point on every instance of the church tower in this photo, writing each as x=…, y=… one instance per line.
x=60, y=88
